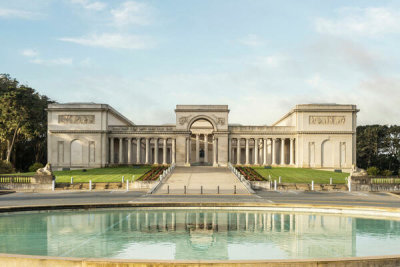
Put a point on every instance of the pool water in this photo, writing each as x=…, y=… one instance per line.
x=194, y=234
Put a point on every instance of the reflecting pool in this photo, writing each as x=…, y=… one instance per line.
x=195, y=234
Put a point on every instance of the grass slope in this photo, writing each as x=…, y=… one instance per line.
x=96, y=175
x=299, y=175
x=101, y=174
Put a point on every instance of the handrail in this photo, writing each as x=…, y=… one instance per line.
x=17, y=179
x=166, y=173
x=241, y=178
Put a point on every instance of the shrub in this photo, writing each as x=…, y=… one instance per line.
x=6, y=167
x=35, y=166
x=373, y=171
x=387, y=173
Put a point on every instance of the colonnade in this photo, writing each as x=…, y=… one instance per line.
x=139, y=160
x=206, y=148
x=178, y=221
x=262, y=143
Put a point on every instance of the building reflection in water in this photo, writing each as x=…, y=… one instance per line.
x=195, y=234
x=199, y=235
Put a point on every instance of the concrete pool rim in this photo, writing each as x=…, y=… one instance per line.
x=358, y=211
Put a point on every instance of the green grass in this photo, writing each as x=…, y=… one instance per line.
x=101, y=174
x=98, y=175
x=300, y=175
x=19, y=173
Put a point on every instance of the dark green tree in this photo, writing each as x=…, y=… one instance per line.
x=378, y=146
x=23, y=119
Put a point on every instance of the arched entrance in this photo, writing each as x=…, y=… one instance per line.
x=201, y=137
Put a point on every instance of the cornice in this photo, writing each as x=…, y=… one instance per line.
x=262, y=133
x=77, y=131
x=326, y=132
x=202, y=110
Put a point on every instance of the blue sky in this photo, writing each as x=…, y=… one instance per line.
x=260, y=57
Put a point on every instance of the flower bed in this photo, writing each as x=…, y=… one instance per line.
x=153, y=173
x=250, y=174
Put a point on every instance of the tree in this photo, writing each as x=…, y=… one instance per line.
x=379, y=146
x=22, y=117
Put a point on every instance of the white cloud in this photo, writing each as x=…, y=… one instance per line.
x=113, y=40
x=52, y=62
x=252, y=40
x=87, y=62
x=29, y=53
x=131, y=13
x=268, y=61
x=91, y=5
x=17, y=14
x=370, y=22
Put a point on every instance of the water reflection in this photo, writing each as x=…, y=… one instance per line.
x=194, y=234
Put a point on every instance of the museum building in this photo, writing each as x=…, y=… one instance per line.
x=89, y=135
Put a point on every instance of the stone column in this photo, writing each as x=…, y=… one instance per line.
x=238, y=152
x=291, y=151
x=215, y=151
x=247, y=151
x=265, y=152
x=197, y=147
x=173, y=151
x=120, y=150
x=164, y=151
x=156, y=150
x=282, y=151
x=255, y=151
x=112, y=150
x=273, y=152
x=138, y=148
x=230, y=150
x=187, y=150
x=147, y=150
x=129, y=150
x=206, y=148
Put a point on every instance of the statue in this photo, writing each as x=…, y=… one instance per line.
x=357, y=172
x=45, y=171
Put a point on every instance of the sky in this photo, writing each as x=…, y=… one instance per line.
x=260, y=57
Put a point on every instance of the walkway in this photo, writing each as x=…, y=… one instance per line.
x=366, y=199
x=196, y=176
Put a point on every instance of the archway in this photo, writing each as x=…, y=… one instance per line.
x=326, y=154
x=201, y=136
x=76, y=152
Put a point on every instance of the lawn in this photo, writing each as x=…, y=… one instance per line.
x=101, y=174
x=97, y=175
x=300, y=175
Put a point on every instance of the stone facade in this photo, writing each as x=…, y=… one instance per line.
x=88, y=135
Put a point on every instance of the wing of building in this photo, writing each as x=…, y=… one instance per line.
x=89, y=135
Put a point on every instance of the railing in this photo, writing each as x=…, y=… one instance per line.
x=385, y=180
x=166, y=173
x=376, y=183
x=241, y=178
x=10, y=179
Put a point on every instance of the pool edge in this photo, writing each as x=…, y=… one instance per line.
x=31, y=260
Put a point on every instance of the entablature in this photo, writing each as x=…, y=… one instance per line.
x=261, y=129
x=143, y=128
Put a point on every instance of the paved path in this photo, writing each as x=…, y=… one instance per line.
x=121, y=196
x=196, y=176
